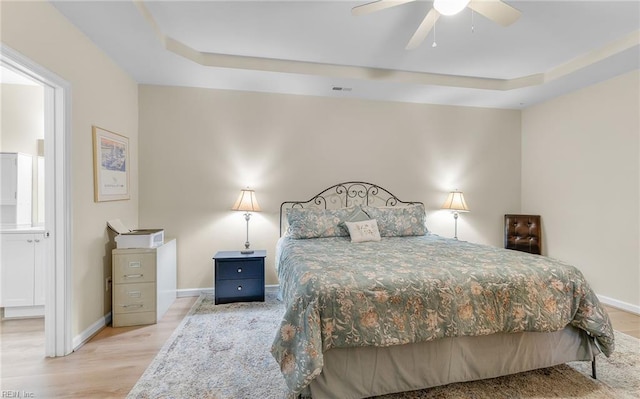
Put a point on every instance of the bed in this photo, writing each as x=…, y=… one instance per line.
x=376, y=304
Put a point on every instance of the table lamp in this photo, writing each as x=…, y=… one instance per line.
x=455, y=202
x=247, y=202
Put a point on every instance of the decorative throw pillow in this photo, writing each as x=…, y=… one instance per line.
x=316, y=222
x=363, y=231
x=399, y=221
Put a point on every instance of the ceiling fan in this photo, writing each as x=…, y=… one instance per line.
x=495, y=10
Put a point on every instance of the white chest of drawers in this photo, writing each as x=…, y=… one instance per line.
x=144, y=284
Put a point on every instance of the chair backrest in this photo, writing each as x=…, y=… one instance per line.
x=523, y=233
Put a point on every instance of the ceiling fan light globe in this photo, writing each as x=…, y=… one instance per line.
x=450, y=7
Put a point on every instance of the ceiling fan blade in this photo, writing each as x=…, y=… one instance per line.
x=496, y=10
x=377, y=6
x=424, y=29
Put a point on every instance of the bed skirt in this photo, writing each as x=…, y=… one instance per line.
x=351, y=373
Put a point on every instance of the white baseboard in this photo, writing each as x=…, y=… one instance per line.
x=628, y=307
x=187, y=292
x=92, y=330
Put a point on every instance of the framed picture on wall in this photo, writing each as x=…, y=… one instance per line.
x=110, y=165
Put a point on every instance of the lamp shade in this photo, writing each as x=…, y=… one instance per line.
x=246, y=202
x=455, y=202
x=450, y=7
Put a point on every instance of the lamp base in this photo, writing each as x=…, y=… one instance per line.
x=247, y=251
x=455, y=217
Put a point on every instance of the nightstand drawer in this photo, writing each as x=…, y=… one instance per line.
x=239, y=269
x=134, y=298
x=134, y=268
x=233, y=290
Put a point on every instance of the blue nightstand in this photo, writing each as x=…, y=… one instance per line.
x=239, y=277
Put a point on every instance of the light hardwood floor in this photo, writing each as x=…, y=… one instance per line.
x=109, y=365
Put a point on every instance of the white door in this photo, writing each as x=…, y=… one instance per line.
x=58, y=204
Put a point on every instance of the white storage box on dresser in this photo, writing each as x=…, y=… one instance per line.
x=149, y=238
x=144, y=284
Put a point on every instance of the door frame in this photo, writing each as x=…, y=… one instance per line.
x=58, y=233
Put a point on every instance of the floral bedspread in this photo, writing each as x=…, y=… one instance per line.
x=410, y=289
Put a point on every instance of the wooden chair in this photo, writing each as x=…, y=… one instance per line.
x=523, y=233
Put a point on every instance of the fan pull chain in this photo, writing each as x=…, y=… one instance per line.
x=434, y=35
x=473, y=29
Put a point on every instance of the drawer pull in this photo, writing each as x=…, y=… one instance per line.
x=239, y=288
x=239, y=270
x=133, y=305
x=133, y=275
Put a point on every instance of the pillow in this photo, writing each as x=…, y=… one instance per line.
x=317, y=223
x=399, y=221
x=358, y=215
x=363, y=231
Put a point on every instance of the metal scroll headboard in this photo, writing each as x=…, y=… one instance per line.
x=343, y=195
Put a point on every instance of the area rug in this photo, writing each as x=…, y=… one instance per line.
x=222, y=352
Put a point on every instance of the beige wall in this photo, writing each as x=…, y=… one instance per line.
x=102, y=95
x=198, y=147
x=581, y=163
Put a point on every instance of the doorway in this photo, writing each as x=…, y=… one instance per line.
x=57, y=199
